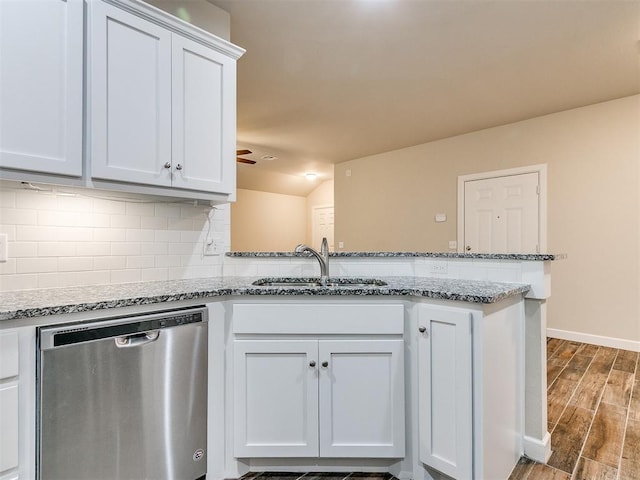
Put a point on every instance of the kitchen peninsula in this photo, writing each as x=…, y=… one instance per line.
x=421, y=323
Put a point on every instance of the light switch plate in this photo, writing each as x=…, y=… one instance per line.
x=4, y=247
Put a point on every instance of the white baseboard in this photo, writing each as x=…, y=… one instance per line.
x=612, y=342
x=536, y=449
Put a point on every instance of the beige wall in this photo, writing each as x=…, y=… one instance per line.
x=267, y=222
x=593, y=157
x=321, y=196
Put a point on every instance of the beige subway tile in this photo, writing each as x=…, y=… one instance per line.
x=93, y=249
x=124, y=221
x=56, y=249
x=23, y=249
x=125, y=248
x=154, y=248
x=140, y=235
x=36, y=265
x=141, y=261
x=167, y=236
x=75, y=264
x=155, y=223
x=10, y=283
x=110, y=263
x=168, y=261
x=74, y=234
x=109, y=234
x=154, y=274
x=125, y=276
x=18, y=216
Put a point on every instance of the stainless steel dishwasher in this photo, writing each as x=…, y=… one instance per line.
x=124, y=398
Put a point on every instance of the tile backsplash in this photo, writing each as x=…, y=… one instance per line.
x=59, y=236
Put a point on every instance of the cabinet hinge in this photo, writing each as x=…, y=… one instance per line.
x=537, y=189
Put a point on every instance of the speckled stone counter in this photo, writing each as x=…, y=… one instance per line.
x=539, y=257
x=37, y=303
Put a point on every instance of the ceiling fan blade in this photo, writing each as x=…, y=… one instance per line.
x=245, y=160
x=243, y=152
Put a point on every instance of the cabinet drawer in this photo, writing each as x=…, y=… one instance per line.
x=318, y=319
x=8, y=354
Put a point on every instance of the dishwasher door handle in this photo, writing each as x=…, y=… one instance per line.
x=137, y=339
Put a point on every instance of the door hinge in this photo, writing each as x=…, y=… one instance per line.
x=537, y=189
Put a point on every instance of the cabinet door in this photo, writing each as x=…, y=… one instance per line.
x=445, y=399
x=361, y=398
x=275, y=398
x=8, y=426
x=203, y=142
x=130, y=85
x=41, y=48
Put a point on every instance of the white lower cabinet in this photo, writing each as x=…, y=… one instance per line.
x=445, y=391
x=330, y=394
x=470, y=389
x=8, y=401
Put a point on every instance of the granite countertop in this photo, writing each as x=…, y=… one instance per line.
x=54, y=301
x=487, y=256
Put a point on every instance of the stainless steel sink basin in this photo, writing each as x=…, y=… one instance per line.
x=315, y=282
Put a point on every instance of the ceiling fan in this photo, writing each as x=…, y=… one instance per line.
x=244, y=160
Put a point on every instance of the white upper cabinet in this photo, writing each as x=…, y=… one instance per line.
x=162, y=106
x=203, y=107
x=41, y=67
x=130, y=98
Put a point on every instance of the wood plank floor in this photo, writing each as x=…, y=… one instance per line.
x=593, y=396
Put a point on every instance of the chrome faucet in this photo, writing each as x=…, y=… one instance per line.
x=322, y=257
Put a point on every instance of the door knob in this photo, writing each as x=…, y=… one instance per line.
x=468, y=248
x=178, y=167
x=167, y=165
x=312, y=363
x=325, y=364
x=422, y=329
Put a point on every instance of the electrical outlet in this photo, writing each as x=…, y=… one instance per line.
x=4, y=247
x=439, y=268
x=212, y=247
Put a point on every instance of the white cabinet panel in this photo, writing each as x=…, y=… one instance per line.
x=8, y=426
x=445, y=390
x=130, y=97
x=203, y=110
x=276, y=398
x=361, y=398
x=41, y=51
x=8, y=354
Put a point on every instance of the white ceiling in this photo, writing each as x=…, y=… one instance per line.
x=325, y=81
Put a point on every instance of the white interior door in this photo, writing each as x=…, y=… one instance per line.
x=322, y=226
x=502, y=214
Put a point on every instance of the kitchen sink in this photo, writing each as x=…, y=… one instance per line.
x=316, y=282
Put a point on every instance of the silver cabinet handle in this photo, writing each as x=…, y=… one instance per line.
x=325, y=364
x=312, y=363
x=167, y=165
x=178, y=167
